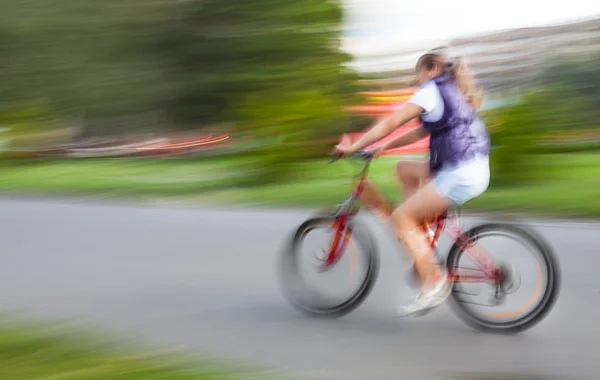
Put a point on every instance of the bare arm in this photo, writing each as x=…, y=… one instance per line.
x=408, y=138
x=388, y=125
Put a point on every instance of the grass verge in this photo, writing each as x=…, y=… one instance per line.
x=569, y=185
x=41, y=352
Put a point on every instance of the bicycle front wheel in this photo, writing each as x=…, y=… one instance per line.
x=360, y=252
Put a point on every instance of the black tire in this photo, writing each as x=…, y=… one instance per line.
x=288, y=271
x=546, y=302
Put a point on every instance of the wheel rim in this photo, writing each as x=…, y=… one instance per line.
x=543, y=285
x=310, y=299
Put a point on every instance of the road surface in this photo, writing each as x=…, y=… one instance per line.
x=206, y=279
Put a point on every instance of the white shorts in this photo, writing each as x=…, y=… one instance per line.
x=464, y=182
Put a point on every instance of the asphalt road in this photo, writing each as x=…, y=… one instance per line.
x=206, y=279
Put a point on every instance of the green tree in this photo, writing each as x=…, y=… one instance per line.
x=565, y=100
x=272, y=67
x=514, y=132
x=85, y=57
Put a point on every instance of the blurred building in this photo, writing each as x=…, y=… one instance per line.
x=501, y=61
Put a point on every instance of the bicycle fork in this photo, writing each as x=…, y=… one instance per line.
x=343, y=231
x=339, y=242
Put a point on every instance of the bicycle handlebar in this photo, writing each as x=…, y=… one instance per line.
x=361, y=154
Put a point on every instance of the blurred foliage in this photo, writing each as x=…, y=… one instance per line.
x=29, y=124
x=514, y=132
x=577, y=78
x=565, y=100
x=40, y=350
x=272, y=68
x=88, y=57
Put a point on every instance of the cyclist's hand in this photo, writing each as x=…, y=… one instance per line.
x=339, y=151
x=376, y=152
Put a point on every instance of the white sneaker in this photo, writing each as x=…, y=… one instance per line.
x=431, y=235
x=425, y=301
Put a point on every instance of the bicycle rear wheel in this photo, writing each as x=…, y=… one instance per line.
x=532, y=308
x=312, y=301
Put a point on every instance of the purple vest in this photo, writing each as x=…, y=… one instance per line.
x=460, y=134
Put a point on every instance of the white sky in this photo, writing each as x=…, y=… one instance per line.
x=374, y=26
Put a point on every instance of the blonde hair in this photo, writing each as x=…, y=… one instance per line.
x=442, y=51
x=459, y=70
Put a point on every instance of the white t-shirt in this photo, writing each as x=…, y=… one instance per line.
x=428, y=97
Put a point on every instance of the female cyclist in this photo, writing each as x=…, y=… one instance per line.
x=446, y=103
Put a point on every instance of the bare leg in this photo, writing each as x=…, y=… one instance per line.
x=412, y=175
x=376, y=201
x=425, y=204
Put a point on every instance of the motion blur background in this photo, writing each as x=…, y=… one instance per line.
x=246, y=98
x=238, y=102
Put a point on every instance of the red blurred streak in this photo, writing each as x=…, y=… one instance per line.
x=420, y=147
x=200, y=139
x=194, y=143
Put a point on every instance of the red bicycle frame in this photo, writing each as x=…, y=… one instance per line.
x=444, y=223
x=342, y=230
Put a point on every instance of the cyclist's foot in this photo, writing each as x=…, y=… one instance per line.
x=429, y=298
x=431, y=235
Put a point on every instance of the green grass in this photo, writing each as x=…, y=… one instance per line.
x=124, y=177
x=34, y=352
x=569, y=183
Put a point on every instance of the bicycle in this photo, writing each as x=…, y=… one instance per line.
x=501, y=277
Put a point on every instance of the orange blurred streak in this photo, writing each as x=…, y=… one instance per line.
x=199, y=142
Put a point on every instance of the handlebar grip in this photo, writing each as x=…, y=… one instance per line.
x=362, y=154
x=334, y=157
